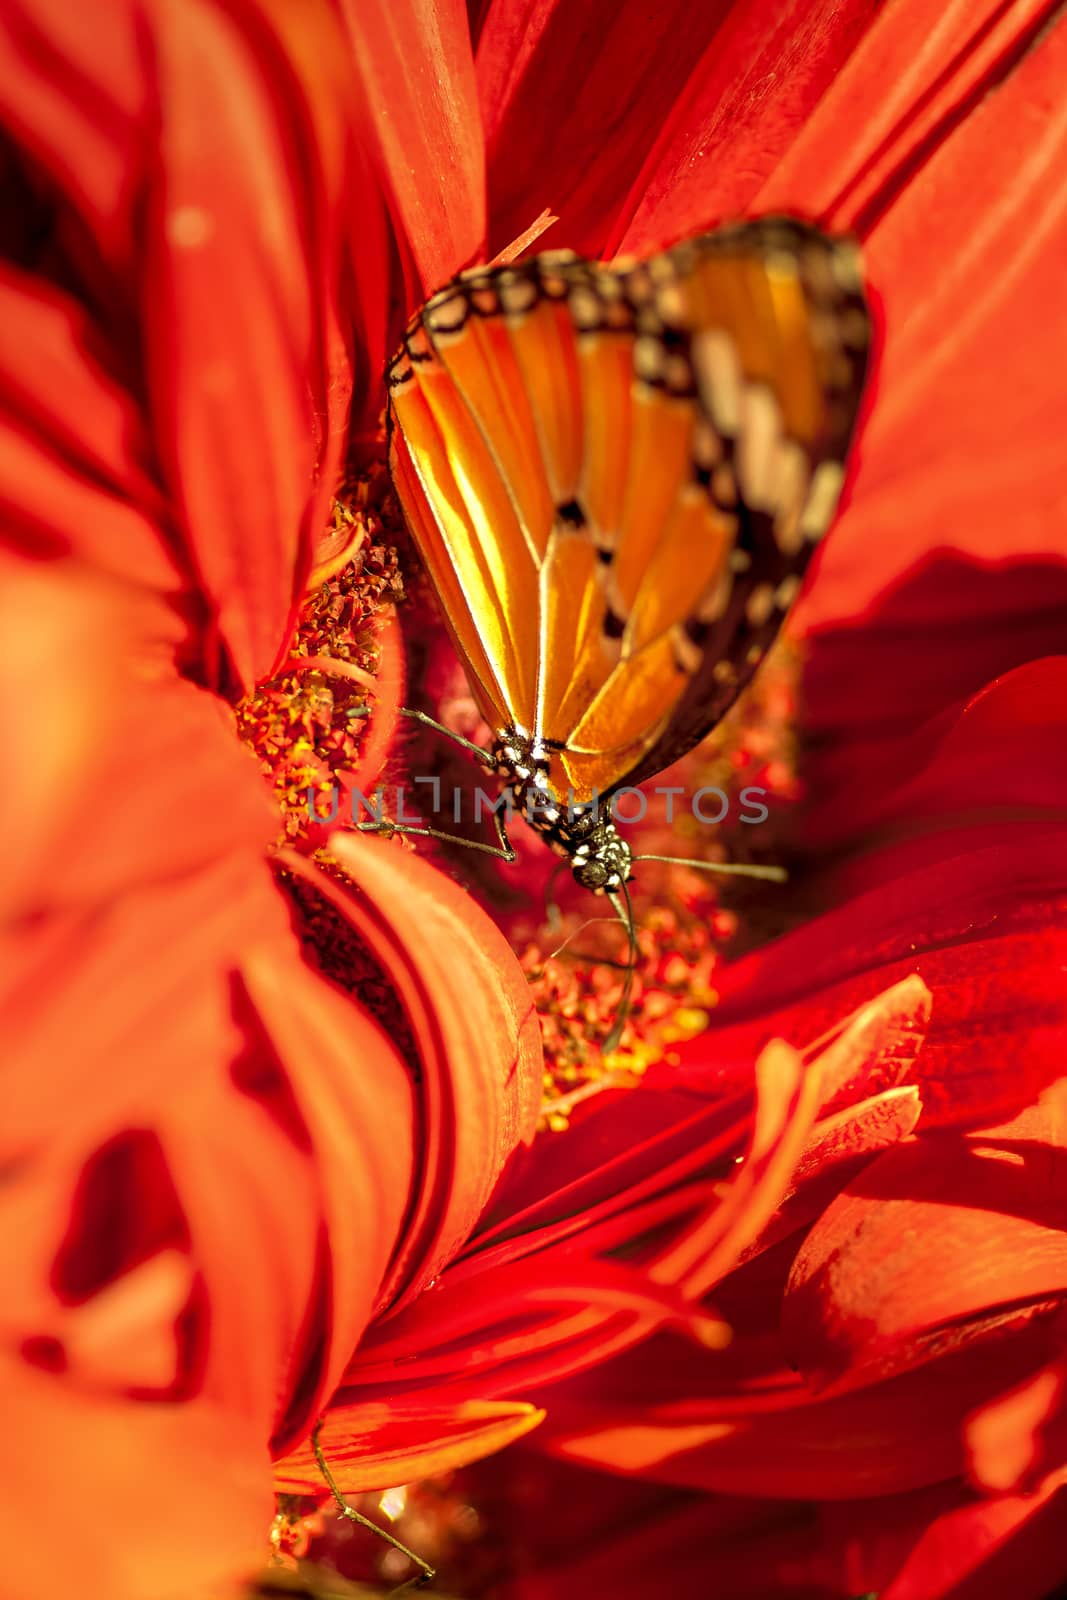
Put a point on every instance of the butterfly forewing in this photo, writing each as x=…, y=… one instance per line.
x=616, y=476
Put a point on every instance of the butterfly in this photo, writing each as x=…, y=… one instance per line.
x=616, y=476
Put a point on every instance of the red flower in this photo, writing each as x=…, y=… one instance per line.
x=286, y=1095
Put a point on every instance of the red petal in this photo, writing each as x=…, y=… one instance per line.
x=944, y=1543
x=126, y=777
x=981, y=928
x=241, y=258
x=573, y=101
x=77, y=454
x=542, y=1299
x=662, y=1417
x=211, y=279
x=361, y=1128
x=934, y=1244
x=837, y=1147
x=1012, y=1441
x=756, y=87
x=1000, y=753
x=374, y=1447
x=962, y=384
x=416, y=102
x=920, y=71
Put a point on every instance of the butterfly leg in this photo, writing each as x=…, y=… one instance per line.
x=438, y=727
x=504, y=851
x=425, y=1573
x=457, y=738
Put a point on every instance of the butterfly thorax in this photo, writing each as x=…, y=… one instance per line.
x=585, y=834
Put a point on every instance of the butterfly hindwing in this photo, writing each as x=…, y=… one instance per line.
x=777, y=335
x=617, y=474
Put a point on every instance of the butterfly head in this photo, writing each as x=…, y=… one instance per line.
x=584, y=834
x=601, y=861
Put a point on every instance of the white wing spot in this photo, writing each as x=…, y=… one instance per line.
x=792, y=473
x=707, y=446
x=718, y=375
x=760, y=604
x=717, y=599
x=757, y=447
x=649, y=358
x=822, y=499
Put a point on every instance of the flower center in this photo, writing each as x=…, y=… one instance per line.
x=307, y=724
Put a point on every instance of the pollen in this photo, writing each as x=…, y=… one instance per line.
x=296, y=1522
x=579, y=998
x=684, y=930
x=306, y=724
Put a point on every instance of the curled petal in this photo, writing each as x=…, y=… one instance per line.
x=475, y=1036
x=777, y=1438
x=838, y=1146
x=790, y=1095
x=506, y=1327
x=936, y=1243
x=355, y=1099
x=541, y=1297
x=215, y=1213
x=980, y=926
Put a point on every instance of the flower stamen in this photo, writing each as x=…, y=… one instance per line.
x=307, y=723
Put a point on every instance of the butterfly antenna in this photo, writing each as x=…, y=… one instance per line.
x=624, y=910
x=590, y=922
x=425, y=1573
x=733, y=869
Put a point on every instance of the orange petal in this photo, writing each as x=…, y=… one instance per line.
x=179, y=1499
x=475, y=1032
x=378, y=1447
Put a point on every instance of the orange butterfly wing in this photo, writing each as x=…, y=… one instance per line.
x=616, y=476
